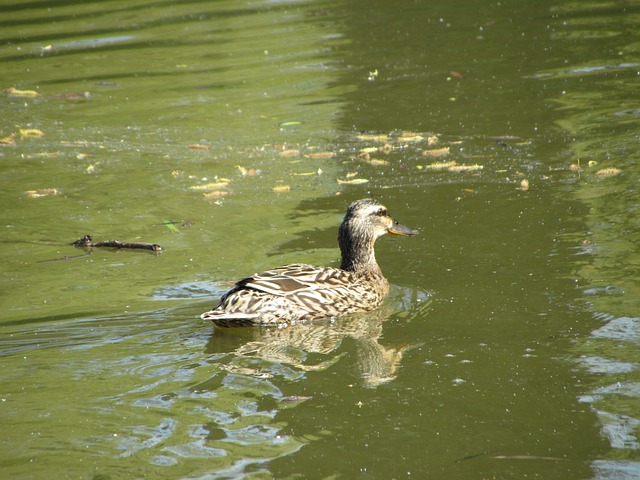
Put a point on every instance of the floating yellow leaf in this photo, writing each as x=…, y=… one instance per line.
x=372, y=137
x=608, y=172
x=524, y=184
x=353, y=181
x=248, y=172
x=378, y=162
x=440, y=165
x=216, y=194
x=10, y=140
x=290, y=124
x=222, y=183
x=432, y=140
x=322, y=155
x=281, y=188
x=31, y=132
x=437, y=152
x=42, y=192
x=465, y=168
x=290, y=152
x=386, y=148
x=14, y=92
x=369, y=149
x=198, y=146
x=45, y=155
x=410, y=137
x=364, y=157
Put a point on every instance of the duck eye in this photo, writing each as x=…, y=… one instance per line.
x=381, y=212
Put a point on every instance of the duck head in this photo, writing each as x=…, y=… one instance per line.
x=365, y=221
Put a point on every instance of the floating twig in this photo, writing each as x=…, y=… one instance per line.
x=87, y=242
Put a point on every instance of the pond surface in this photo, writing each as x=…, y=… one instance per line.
x=234, y=134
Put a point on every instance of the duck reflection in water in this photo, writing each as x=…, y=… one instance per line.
x=301, y=294
x=299, y=346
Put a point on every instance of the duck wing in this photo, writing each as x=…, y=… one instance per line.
x=295, y=279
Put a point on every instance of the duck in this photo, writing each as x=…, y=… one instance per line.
x=299, y=293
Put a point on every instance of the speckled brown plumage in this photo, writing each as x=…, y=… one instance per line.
x=299, y=292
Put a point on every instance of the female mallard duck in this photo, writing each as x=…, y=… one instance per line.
x=298, y=292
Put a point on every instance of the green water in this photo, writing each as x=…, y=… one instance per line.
x=509, y=345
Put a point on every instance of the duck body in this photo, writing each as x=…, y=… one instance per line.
x=299, y=292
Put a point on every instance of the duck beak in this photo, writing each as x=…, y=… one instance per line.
x=399, y=229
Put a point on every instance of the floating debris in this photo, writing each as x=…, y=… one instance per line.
x=364, y=157
x=31, y=133
x=373, y=137
x=439, y=165
x=73, y=96
x=248, y=172
x=216, y=194
x=221, y=183
x=42, y=192
x=451, y=166
x=529, y=457
x=295, y=398
x=198, y=146
x=8, y=140
x=432, y=140
x=44, y=155
x=524, y=184
x=92, y=168
x=410, y=137
x=281, y=188
x=608, y=172
x=14, y=92
x=290, y=152
x=386, y=148
x=436, y=152
x=353, y=181
x=465, y=168
x=290, y=124
x=322, y=155
x=171, y=226
x=505, y=137
x=87, y=242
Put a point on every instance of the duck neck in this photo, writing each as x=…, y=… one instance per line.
x=357, y=251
